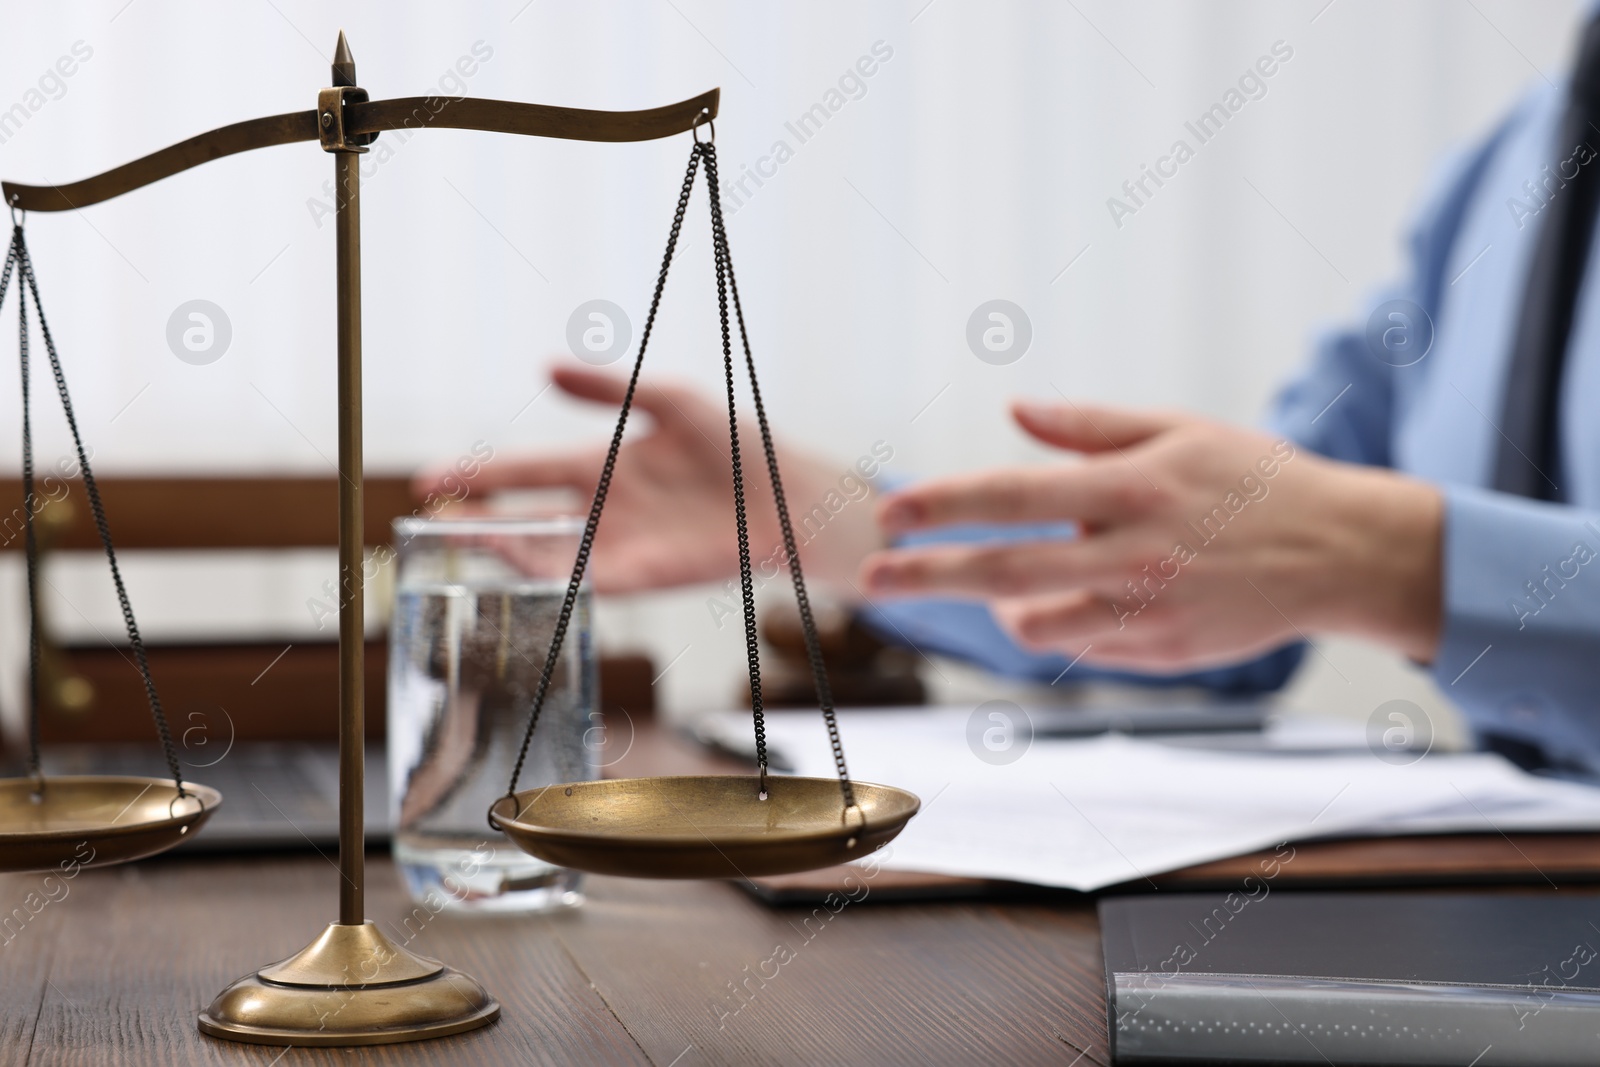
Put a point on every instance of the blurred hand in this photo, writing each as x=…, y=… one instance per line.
x=669, y=517
x=1201, y=544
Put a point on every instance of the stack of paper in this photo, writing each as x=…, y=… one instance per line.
x=1088, y=813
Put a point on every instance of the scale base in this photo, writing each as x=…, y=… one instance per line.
x=351, y=986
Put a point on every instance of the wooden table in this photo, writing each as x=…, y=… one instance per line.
x=666, y=973
x=643, y=973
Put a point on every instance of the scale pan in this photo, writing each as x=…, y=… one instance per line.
x=701, y=826
x=95, y=820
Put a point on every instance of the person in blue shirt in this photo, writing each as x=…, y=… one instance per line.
x=1430, y=481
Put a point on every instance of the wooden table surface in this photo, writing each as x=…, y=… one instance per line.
x=643, y=973
x=666, y=973
x=669, y=973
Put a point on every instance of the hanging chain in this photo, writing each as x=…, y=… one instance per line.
x=29, y=285
x=808, y=624
x=751, y=638
x=30, y=544
x=725, y=285
x=604, y=486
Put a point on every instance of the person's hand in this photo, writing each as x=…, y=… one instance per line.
x=1200, y=544
x=668, y=517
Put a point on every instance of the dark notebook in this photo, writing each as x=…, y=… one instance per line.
x=1332, y=978
x=275, y=794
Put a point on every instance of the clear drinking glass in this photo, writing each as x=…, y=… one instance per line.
x=476, y=602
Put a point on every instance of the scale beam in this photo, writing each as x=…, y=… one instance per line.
x=371, y=117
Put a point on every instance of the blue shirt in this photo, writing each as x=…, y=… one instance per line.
x=1520, y=648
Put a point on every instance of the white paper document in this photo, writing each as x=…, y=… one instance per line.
x=1091, y=812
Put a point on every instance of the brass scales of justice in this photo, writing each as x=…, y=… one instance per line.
x=352, y=985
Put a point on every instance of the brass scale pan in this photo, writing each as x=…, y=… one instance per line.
x=711, y=826
x=661, y=827
x=95, y=820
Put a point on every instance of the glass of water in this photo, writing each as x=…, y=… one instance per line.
x=476, y=602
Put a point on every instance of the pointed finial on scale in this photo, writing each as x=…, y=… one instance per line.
x=344, y=64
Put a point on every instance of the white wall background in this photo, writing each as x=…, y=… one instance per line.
x=976, y=165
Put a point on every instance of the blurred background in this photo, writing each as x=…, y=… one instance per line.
x=974, y=162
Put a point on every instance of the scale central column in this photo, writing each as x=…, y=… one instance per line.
x=352, y=985
x=352, y=629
